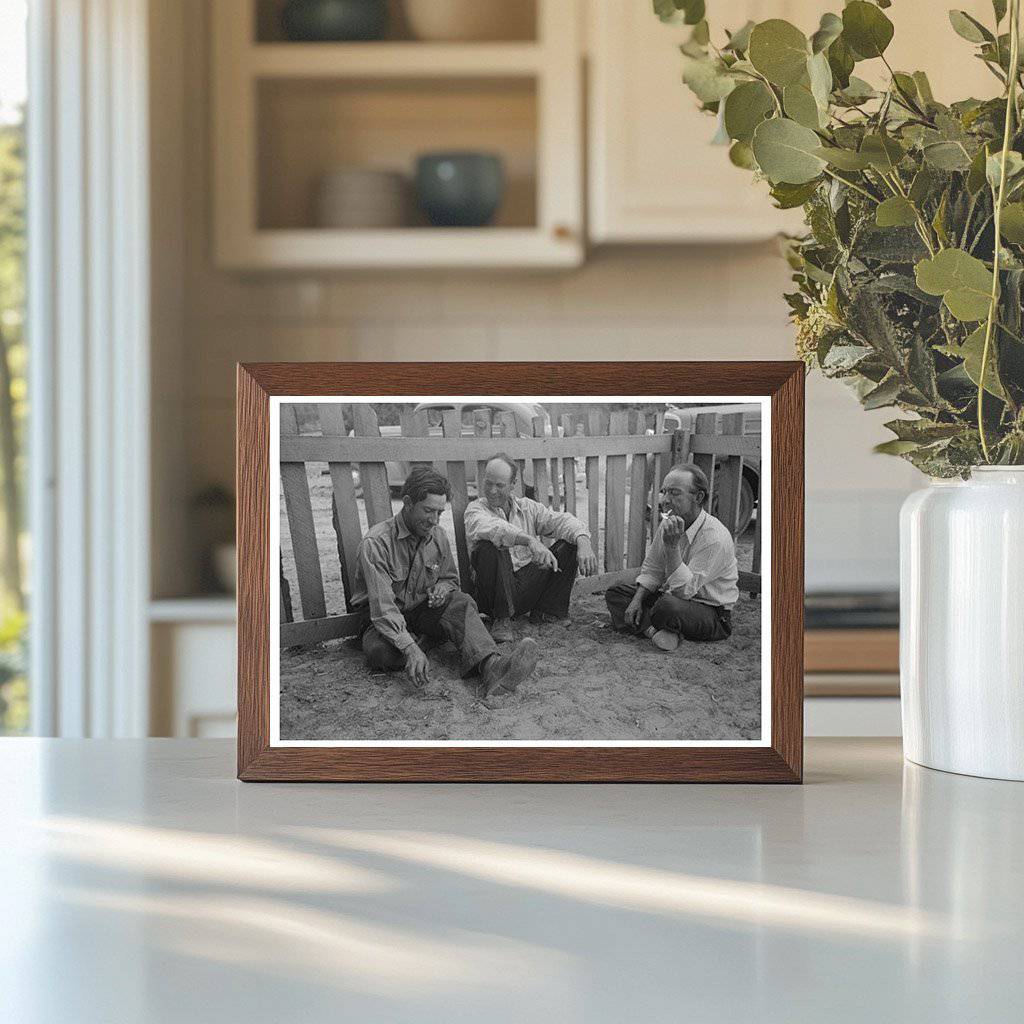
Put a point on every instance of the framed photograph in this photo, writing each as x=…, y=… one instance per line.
x=520, y=571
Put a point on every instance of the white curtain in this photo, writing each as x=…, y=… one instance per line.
x=88, y=388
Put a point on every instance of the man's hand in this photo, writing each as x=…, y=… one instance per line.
x=417, y=665
x=438, y=593
x=634, y=612
x=673, y=529
x=585, y=557
x=541, y=555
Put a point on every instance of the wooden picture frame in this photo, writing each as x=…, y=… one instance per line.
x=778, y=759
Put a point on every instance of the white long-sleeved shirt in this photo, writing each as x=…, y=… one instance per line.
x=707, y=573
x=525, y=517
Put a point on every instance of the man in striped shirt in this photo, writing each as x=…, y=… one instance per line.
x=515, y=571
x=688, y=582
x=407, y=582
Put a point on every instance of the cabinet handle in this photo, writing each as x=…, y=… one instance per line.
x=562, y=232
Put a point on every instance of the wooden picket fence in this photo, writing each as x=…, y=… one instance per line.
x=635, y=462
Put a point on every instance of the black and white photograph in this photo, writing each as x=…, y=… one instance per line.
x=517, y=570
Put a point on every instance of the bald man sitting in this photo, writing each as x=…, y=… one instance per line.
x=515, y=571
x=688, y=583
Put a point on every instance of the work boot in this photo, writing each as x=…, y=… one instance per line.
x=501, y=631
x=502, y=673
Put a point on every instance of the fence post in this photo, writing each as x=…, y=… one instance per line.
x=343, y=498
x=730, y=475
x=569, y=466
x=372, y=475
x=637, y=498
x=287, y=615
x=615, y=497
x=596, y=427
x=299, y=511
x=509, y=428
x=452, y=426
x=705, y=427
x=680, y=451
x=541, y=485
x=482, y=428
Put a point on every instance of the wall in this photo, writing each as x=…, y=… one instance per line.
x=650, y=303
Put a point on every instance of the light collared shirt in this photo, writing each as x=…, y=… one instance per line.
x=394, y=571
x=708, y=572
x=526, y=516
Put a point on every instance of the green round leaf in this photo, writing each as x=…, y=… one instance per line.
x=968, y=28
x=673, y=11
x=741, y=155
x=745, y=108
x=707, y=79
x=883, y=152
x=779, y=51
x=829, y=30
x=840, y=62
x=801, y=106
x=1011, y=225
x=896, y=447
x=740, y=39
x=788, y=197
x=844, y=159
x=866, y=29
x=963, y=281
x=895, y=212
x=820, y=76
x=972, y=351
x=787, y=152
x=947, y=156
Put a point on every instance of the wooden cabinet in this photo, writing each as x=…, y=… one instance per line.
x=654, y=177
x=285, y=114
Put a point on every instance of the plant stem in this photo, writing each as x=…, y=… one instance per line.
x=853, y=185
x=1011, y=108
x=907, y=99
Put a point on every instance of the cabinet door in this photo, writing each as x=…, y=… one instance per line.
x=654, y=176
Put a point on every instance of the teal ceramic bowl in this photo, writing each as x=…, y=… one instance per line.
x=460, y=189
x=334, y=21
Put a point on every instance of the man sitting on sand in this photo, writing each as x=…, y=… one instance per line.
x=687, y=584
x=406, y=577
x=515, y=571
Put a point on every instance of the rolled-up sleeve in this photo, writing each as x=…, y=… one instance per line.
x=482, y=524
x=559, y=525
x=384, y=611
x=652, y=572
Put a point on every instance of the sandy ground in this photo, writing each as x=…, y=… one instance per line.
x=592, y=683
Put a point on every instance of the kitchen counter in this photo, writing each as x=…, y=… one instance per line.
x=140, y=882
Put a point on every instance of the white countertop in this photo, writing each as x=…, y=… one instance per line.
x=140, y=882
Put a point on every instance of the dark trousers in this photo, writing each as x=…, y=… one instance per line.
x=456, y=620
x=690, y=619
x=503, y=593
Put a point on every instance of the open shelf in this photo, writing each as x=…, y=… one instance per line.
x=286, y=114
x=309, y=127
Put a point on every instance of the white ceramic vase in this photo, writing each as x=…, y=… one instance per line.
x=962, y=624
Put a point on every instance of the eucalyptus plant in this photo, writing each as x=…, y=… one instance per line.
x=910, y=278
